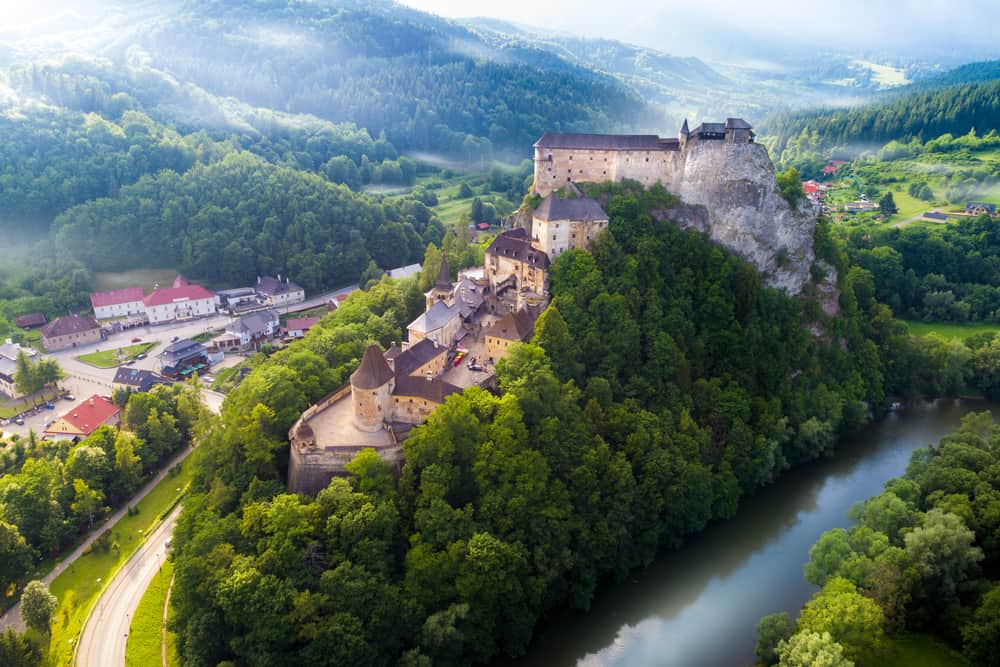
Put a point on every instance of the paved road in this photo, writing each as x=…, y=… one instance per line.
x=12, y=618
x=104, y=637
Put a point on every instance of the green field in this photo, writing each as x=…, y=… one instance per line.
x=145, y=639
x=949, y=330
x=78, y=587
x=915, y=651
x=144, y=278
x=115, y=357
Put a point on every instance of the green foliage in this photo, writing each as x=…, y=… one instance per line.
x=887, y=205
x=790, y=184
x=37, y=606
x=771, y=631
x=19, y=650
x=812, y=649
x=982, y=633
x=851, y=619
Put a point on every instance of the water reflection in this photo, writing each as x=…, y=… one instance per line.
x=700, y=605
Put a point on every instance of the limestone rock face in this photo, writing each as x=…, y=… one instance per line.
x=745, y=212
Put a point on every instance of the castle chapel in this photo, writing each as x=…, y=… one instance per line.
x=488, y=308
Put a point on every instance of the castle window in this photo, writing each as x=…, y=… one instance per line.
x=553, y=237
x=570, y=157
x=647, y=159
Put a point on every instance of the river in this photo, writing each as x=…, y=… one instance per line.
x=699, y=606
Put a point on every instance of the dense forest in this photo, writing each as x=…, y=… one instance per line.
x=946, y=273
x=924, y=115
x=698, y=385
x=923, y=556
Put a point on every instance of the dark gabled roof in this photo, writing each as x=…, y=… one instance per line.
x=515, y=244
x=583, y=208
x=684, y=127
x=435, y=390
x=271, y=285
x=635, y=142
x=715, y=128
x=444, y=275
x=934, y=215
x=30, y=320
x=415, y=356
x=373, y=371
x=737, y=124
x=254, y=322
x=513, y=326
x=142, y=380
x=183, y=349
x=68, y=324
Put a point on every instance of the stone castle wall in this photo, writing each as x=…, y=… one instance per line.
x=554, y=167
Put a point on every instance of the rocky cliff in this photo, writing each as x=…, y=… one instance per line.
x=744, y=211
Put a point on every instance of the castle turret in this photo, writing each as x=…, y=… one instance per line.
x=371, y=391
x=684, y=134
x=442, y=290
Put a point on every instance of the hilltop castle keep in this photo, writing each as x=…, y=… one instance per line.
x=647, y=158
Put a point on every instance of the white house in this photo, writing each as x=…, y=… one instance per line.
x=117, y=303
x=278, y=293
x=180, y=303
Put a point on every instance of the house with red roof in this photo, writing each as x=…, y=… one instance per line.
x=296, y=327
x=84, y=419
x=117, y=303
x=832, y=168
x=183, y=302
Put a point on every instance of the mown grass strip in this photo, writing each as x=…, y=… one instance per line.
x=145, y=637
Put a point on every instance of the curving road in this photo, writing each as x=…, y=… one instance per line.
x=105, y=635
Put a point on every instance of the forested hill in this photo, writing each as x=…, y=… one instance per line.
x=426, y=82
x=924, y=115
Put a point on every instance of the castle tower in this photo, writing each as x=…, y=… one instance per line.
x=442, y=290
x=371, y=391
x=685, y=132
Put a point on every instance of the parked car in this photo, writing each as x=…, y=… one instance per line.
x=175, y=339
x=136, y=340
x=50, y=406
x=141, y=356
x=19, y=421
x=69, y=397
x=475, y=367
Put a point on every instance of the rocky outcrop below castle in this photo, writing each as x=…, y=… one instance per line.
x=729, y=192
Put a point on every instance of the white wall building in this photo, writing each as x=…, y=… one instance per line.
x=180, y=303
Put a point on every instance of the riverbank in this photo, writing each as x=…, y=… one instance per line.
x=700, y=604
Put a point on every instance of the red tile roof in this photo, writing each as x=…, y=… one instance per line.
x=114, y=297
x=303, y=323
x=166, y=295
x=91, y=414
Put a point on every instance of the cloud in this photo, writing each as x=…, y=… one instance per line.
x=728, y=28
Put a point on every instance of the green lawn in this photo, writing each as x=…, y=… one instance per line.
x=949, y=330
x=77, y=588
x=204, y=336
x=145, y=637
x=16, y=407
x=908, y=206
x=915, y=651
x=116, y=356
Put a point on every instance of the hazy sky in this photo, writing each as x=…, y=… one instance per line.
x=961, y=29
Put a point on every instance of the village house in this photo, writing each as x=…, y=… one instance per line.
x=182, y=301
x=980, y=208
x=70, y=331
x=182, y=358
x=277, y=293
x=9, y=352
x=137, y=379
x=84, y=419
x=30, y=321
x=511, y=328
x=250, y=331
x=240, y=300
x=296, y=327
x=118, y=303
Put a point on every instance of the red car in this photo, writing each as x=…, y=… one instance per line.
x=136, y=340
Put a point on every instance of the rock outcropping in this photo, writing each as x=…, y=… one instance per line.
x=743, y=210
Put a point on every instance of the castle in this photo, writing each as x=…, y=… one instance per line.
x=467, y=325
x=647, y=158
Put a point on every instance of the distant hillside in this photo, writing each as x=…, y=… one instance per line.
x=922, y=114
x=988, y=70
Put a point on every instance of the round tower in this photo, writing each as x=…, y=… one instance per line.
x=371, y=391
